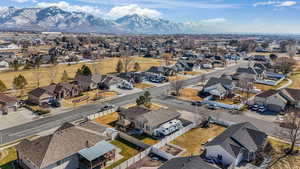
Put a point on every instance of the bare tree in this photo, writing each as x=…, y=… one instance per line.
x=285, y=64
x=167, y=58
x=127, y=62
x=246, y=86
x=177, y=86
x=37, y=74
x=291, y=127
x=52, y=74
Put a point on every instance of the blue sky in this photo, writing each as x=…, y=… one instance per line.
x=259, y=16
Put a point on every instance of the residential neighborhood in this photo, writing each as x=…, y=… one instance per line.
x=140, y=92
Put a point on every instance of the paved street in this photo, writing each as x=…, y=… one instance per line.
x=34, y=127
x=221, y=114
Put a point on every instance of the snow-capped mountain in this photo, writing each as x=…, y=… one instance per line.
x=143, y=24
x=56, y=19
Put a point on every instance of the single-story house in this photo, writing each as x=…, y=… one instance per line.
x=258, y=72
x=87, y=83
x=292, y=96
x=54, y=91
x=271, y=100
x=239, y=143
x=69, y=147
x=163, y=70
x=219, y=87
x=8, y=104
x=142, y=118
x=191, y=162
x=110, y=81
x=4, y=64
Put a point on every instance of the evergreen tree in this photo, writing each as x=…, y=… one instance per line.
x=65, y=77
x=86, y=71
x=137, y=67
x=120, y=66
x=2, y=87
x=20, y=82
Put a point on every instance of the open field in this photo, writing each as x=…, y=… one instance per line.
x=190, y=94
x=128, y=151
x=289, y=162
x=295, y=77
x=192, y=141
x=105, y=66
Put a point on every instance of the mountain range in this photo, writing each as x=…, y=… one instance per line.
x=56, y=19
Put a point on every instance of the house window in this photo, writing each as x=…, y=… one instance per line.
x=219, y=157
x=58, y=163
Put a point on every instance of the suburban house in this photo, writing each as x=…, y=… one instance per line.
x=219, y=87
x=257, y=72
x=87, y=83
x=272, y=100
x=43, y=95
x=110, y=81
x=8, y=46
x=192, y=162
x=69, y=147
x=187, y=65
x=8, y=104
x=163, y=70
x=239, y=143
x=292, y=96
x=4, y=64
x=142, y=118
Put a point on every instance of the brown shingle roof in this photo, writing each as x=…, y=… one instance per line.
x=66, y=141
x=5, y=98
x=294, y=93
x=267, y=93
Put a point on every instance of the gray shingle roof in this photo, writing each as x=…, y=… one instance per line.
x=214, y=80
x=66, y=141
x=193, y=162
x=242, y=135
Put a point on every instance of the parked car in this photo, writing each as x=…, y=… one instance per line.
x=197, y=103
x=55, y=103
x=212, y=107
x=107, y=107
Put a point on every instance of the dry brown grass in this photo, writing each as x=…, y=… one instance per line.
x=192, y=141
x=267, y=87
x=289, y=162
x=175, y=78
x=154, y=106
x=105, y=66
x=91, y=95
x=191, y=73
x=190, y=94
x=107, y=120
x=143, y=85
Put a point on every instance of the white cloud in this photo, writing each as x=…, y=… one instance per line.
x=287, y=3
x=276, y=3
x=72, y=8
x=120, y=11
x=214, y=20
x=20, y=1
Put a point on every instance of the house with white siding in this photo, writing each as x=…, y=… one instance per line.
x=239, y=143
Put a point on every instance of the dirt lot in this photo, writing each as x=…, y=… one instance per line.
x=289, y=162
x=192, y=141
x=147, y=162
x=190, y=94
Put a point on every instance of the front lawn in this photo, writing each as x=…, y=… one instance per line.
x=175, y=78
x=143, y=85
x=192, y=140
